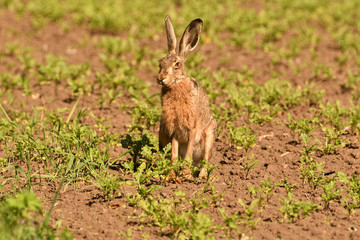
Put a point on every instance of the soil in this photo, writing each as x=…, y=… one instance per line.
x=81, y=207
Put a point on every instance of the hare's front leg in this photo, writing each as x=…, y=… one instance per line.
x=164, y=138
x=190, y=144
x=174, y=149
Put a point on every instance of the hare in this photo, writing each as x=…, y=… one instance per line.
x=186, y=120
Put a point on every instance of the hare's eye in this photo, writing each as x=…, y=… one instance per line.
x=177, y=65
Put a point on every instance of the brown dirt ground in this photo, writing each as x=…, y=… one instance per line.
x=84, y=211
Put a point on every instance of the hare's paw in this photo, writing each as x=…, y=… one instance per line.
x=203, y=173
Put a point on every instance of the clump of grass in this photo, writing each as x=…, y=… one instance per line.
x=21, y=218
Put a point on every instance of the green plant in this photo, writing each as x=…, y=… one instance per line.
x=143, y=116
x=240, y=223
x=56, y=69
x=107, y=183
x=181, y=224
x=354, y=117
x=351, y=200
x=248, y=164
x=208, y=168
x=292, y=210
x=141, y=178
x=116, y=46
x=242, y=137
x=334, y=114
x=223, y=115
x=292, y=125
x=215, y=196
x=308, y=146
x=21, y=218
x=312, y=172
x=250, y=219
x=263, y=193
x=65, y=148
x=333, y=142
x=230, y=222
x=323, y=71
x=134, y=146
x=330, y=193
x=197, y=201
x=305, y=126
x=352, y=83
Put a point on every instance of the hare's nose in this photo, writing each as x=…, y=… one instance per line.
x=160, y=81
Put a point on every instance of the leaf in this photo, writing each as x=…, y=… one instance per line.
x=70, y=163
x=20, y=170
x=342, y=177
x=72, y=111
x=180, y=194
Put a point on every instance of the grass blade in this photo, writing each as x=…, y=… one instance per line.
x=72, y=111
x=47, y=217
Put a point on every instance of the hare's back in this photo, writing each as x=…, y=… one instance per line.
x=203, y=105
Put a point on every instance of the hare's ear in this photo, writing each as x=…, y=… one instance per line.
x=190, y=38
x=170, y=33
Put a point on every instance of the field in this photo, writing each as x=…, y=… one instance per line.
x=80, y=110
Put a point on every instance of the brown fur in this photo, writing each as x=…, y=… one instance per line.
x=186, y=120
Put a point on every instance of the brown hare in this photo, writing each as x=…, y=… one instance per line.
x=186, y=120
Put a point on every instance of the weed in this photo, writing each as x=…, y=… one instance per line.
x=21, y=219
x=248, y=164
x=249, y=219
x=107, y=183
x=57, y=69
x=263, y=193
x=333, y=142
x=141, y=179
x=144, y=117
x=116, y=46
x=323, y=71
x=223, y=115
x=330, y=192
x=164, y=213
x=354, y=116
x=334, y=113
x=352, y=199
x=230, y=222
x=292, y=210
x=242, y=137
x=135, y=147
x=209, y=168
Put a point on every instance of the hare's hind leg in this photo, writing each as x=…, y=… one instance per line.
x=203, y=149
x=209, y=139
